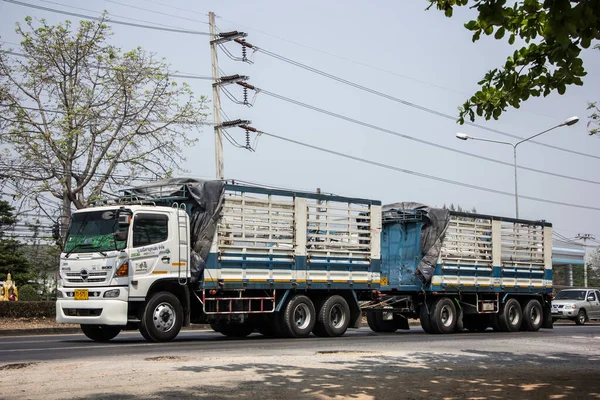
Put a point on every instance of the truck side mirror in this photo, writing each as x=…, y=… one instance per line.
x=120, y=236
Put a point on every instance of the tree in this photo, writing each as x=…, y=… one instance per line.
x=12, y=258
x=80, y=115
x=554, y=33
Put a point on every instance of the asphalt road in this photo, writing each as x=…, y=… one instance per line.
x=563, y=363
x=72, y=346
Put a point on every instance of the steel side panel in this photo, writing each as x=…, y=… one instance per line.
x=267, y=271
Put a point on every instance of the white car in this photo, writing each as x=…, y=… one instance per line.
x=579, y=305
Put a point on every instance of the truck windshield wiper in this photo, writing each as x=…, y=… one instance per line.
x=84, y=245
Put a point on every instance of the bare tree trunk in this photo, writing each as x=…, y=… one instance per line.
x=65, y=219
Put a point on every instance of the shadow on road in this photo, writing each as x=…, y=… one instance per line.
x=470, y=374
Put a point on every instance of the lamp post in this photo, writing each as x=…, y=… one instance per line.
x=567, y=122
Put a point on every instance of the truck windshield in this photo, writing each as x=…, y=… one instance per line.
x=93, y=231
x=571, y=295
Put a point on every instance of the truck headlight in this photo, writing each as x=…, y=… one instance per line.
x=59, y=294
x=112, y=293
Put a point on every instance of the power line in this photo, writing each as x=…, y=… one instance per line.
x=53, y=10
x=431, y=177
x=187, y=75
x=114, y=15
x=156, y=12
x=422, y=141
x=408, y=103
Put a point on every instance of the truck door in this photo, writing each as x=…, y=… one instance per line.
x=152, y=245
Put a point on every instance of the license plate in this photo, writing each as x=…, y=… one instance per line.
x=554, y=311
x=81, y=294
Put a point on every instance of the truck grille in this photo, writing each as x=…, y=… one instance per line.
x=91, y=277
x=79, y=312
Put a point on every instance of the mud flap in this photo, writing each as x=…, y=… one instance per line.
x=401, y=322
x=355, y=312
x=548, y=323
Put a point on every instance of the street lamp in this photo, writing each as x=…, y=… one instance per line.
x=567, y=122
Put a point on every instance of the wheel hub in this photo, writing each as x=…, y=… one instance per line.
x=446, y=316
x=164, y=317
x=302, y=316
x=337, y=317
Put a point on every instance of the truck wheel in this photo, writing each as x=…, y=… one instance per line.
x=162, y=318
x=378, y=324
x=424, y=318
x=100, y=333
x=533, y=316
x=333, y=317
x=511, y=317
x=581, y=317
x=443, y=316
x=298, y=318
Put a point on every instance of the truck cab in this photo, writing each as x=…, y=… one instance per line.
x=113, y=257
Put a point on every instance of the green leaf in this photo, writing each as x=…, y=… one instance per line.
x=500, y=33
x=472, y=25
x=586, y=42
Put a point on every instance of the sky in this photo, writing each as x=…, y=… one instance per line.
x=393, y=47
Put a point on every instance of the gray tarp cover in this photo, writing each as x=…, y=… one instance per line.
x=207, y=199
x=436, y=222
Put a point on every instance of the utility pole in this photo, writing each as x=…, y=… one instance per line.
x=216, y=98
x=215, y=40
x=585, y=237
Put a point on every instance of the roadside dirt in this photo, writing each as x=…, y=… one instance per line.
x=364, y=375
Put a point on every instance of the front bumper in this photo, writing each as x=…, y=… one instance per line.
x=96, y=311
x=564, y=314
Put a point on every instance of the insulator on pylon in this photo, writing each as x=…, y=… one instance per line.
x=244, y=58
x=248, y=140
x=245, y=96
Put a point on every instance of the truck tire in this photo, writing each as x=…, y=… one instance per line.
x=162, y=318
x=581, y=317
x=100, y=333
x=511, y=317
x=298, y=317
x=533, y=316
x=424, y=317
x=442, y=316
x=378, y=324
x=333, y=317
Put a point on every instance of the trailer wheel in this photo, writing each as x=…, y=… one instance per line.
x=443, y=316
x=162, y=318
x=100, y=333
x=424, y=317
x=533, y=316
x=511, y=317
x=378, y=324
x=333, y=317
x=298, y=318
